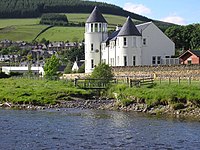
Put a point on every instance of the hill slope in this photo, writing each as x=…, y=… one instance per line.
x=27, y=29
x=34, y=8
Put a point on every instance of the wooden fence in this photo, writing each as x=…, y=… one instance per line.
x=141, y=82
x=177, y=80
x=92, y=83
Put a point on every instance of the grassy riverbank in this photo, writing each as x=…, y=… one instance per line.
x=37, y=92
x=177, y=96
x=158, y=98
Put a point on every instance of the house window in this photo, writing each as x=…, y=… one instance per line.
x=92, y=63
x=125, y=41
x=92, y=47
x=144, y=41
x=92, y=28
x=189, y=62
x=125, y=61
x=113, y=62
x=118, y=60
x=154, y=60
x=96, y=27
x=158, y=60
x=134, y=60
x=100, y=27
x=134, y=41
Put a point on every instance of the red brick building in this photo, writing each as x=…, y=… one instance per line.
x=190, y=57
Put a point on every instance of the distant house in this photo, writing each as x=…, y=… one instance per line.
x=56, y=46
x=190, y=57
x=77, y=65
x=35, y=70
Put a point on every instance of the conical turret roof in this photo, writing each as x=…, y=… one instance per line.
x=96, y=16
x=129, y=29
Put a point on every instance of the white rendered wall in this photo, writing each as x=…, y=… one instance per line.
x=94, y=38
x=157, y=44
x=129, y=51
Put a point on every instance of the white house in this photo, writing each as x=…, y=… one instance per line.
x=77, y=65
x=35, y=70
x=143, y=44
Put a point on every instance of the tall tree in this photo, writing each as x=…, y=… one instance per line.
x=51, y=67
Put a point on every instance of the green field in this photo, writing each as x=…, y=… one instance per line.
x=21, y=32
x=63, y=34
x=111, y=19
x=11, y=22
x=27, y=29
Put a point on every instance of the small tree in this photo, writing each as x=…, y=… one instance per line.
x=51, y=67
x=103, y=71
x=68, y=68
x=82, y=68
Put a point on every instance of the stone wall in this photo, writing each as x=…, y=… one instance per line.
x=183, y=71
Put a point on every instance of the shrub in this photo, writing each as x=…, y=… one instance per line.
x=82, y=69
x=103, y=71
x=68, y=68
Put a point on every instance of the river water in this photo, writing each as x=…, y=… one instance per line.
x=94, y=129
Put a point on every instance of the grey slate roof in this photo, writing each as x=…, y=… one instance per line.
x=129, y=29
x=143, y=26
x=96, y=16
x=113, y=36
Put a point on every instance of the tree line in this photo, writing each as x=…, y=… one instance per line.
x=54, y=19
x=185, y=37
x=35, y=8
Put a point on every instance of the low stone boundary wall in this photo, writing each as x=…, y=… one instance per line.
x=183, y=71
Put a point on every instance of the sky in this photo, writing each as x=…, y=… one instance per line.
x=182, y=12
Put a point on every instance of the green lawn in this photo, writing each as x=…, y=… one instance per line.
x=63, y=34
x=21, y=32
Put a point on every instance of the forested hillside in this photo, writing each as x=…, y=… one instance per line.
x=35, y=8
x=185, y=37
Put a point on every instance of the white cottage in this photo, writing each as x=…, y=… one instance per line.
x=143, y=44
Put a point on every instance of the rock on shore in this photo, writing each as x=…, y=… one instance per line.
x=111, y=104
